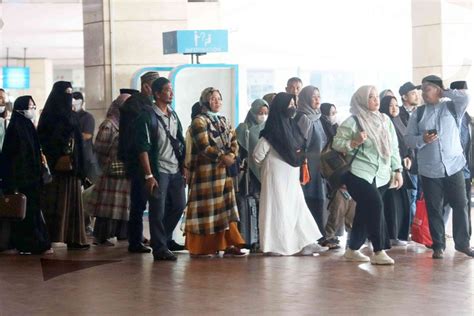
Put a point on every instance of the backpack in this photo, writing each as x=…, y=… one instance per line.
x=334, y=164
x=421, y=110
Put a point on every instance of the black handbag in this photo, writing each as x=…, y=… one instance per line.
x=12, y=206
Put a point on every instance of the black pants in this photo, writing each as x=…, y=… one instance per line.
x=453, y=189
x=138, y=200
x=369, y=221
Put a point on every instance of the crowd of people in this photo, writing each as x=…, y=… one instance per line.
x=143, y=159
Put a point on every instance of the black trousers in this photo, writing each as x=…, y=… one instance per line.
x=369, y=221
x=453, y=189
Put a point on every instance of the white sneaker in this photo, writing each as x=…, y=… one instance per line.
x=398, y=243
x=355, y=255
x=381, y=258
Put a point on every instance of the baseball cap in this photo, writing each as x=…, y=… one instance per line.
x=407, y=87
x=460, y=85
x=435, y=80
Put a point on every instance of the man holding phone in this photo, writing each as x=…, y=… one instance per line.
x=435, y=134
x=159, y=133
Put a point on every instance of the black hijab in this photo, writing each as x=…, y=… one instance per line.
x=282, y=132
x=21, y=150
x=329, y=128
x=58, y=123
x=400, y=128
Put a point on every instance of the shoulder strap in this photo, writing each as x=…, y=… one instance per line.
x=165, y=127
x=419, y=113
x=356, y=119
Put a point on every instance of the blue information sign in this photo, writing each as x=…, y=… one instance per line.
x=195, y=41
x=16, y=77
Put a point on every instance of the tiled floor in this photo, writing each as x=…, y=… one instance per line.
x=128, y=284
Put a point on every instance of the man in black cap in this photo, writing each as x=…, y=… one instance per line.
x=409, y=94
x=433, y=130
x=136, y=105
x=410, y=100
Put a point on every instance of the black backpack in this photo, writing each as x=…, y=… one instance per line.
x=421, y=110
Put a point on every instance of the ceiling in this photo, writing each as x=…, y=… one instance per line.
x=50, y=29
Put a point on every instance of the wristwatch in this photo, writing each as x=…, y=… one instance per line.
x=398, y=170
x=148, y=176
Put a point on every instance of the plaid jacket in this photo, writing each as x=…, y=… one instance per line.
x=211, y=203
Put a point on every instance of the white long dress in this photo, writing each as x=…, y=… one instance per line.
x=285, y=222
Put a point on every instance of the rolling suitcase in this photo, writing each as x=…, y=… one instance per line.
x=248, y=211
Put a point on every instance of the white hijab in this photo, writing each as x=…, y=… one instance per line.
x=374, y=123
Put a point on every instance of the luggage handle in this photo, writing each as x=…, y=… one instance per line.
x=247, y=167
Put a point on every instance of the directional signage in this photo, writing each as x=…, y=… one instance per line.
x=16, y=77
x=195, y=41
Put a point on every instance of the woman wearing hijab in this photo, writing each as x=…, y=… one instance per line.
x=22, y=165
x=212, y=215
x=329, y=120
x=314, y=191
x=254, y=136
x=386, y=92
x=110, y=200
x=286, y=226
x=61, y=140
x=256, y=116
x=371, y=171
x=341, y=207
x=396, y=202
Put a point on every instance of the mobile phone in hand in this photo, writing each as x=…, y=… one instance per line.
x=432, y=132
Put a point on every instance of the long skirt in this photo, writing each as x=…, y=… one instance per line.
x=63, y=210
x=31, y=235
x=397, y=213
x=212, y=243
x=105, y=228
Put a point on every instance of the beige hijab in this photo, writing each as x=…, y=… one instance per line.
x=374, y=123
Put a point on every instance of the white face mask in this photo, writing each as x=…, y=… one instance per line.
x=262, y=118
x=76, y=105
x=2, y=109
x=29, y=114
x=332, y=119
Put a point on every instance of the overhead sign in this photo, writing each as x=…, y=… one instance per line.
x=16, y=77
x=195, y=41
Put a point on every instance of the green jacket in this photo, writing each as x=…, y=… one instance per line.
x=368, y=164
x=144, y=140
